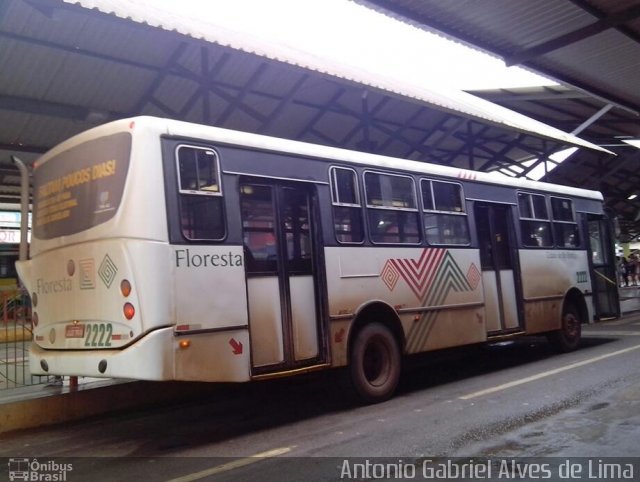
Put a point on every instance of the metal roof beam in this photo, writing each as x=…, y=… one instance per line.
x=458, y=123
x=333, y=106
x=321, y=111
x=389, y=132
x=596, y=12
x=201, y=92
x=23, y=148
x=502, y=154
x=542, y=157
x=365, y=122
x=282, y=103
x=323, y=137
x=462, y=35
x=241, y=94
x=506, y=95
x=232, y=100
x=52, y=109
x=78, y=51
x=569, y=38
x=159, y=78
x=491, y=156
x=568, y=124
x=400, y=129
x=592, y=119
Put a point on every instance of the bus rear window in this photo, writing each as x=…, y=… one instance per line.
x=81, y=187
x=201, y=208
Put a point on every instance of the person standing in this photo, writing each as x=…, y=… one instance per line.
x=632, y=269
x=622, y=269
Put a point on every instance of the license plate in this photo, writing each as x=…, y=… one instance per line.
x=74, y=331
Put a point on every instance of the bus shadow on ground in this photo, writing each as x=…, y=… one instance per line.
x=446, y=366
x=236, y=410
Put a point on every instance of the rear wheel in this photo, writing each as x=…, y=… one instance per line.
x=567, y=338
x=375, y=363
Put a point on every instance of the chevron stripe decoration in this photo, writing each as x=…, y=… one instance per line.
x=474, y=276
x=434, y=267
x=448, y=278
x=431, y=277
x=417, y=273
x=390, y=275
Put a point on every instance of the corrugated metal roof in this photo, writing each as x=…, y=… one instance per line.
x=451, y=100
x=606, y=64
x=65, y=68
x=593, y=46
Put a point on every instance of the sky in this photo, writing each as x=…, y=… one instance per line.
x=359, y=36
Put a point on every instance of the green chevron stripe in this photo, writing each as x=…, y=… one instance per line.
x=449, y=277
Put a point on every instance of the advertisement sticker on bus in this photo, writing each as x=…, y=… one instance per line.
x=81, y=187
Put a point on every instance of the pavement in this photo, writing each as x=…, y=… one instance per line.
x=50, y=403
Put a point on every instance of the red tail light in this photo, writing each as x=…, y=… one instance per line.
x=129, y=311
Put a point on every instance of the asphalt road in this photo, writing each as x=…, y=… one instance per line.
x=516, y=399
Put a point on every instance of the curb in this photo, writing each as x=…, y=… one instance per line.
x=67, y=404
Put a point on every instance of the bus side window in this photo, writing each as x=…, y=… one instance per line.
x=201, y=208
x=347, y=209
x=392, y=209
x=534, y=220
x=445, y=219
x=564, y=223
x=259, y=227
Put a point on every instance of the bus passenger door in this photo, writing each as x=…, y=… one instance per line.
x=603, y=268
x=281, y=264
x=500, y=275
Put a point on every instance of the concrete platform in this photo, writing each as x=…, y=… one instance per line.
x=629, y=299
x=39, y=405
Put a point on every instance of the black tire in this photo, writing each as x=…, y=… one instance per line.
x=567, y=338
x=375, y=364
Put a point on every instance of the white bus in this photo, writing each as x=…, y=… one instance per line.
x=163, y=250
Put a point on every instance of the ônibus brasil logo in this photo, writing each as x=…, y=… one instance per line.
x=33, y=470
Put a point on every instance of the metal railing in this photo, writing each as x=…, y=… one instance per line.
x=15, y=337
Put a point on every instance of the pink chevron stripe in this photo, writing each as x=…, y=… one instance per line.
x=419, y=274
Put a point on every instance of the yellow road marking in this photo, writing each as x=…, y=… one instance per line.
x=232, y=465
x=532, y=378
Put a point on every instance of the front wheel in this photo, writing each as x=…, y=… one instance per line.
x=375, y=363
x=567, y=338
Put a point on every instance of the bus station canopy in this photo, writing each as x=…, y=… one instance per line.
x=591, y=47
x=67, y=66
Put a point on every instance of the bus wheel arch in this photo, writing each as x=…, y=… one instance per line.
x=574, y=314
x=375, y=347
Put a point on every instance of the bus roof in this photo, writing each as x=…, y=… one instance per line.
x=256, y=141
x=188, y=130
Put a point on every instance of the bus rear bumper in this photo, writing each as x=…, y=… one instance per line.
x=149, y=358
x=159, y=355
